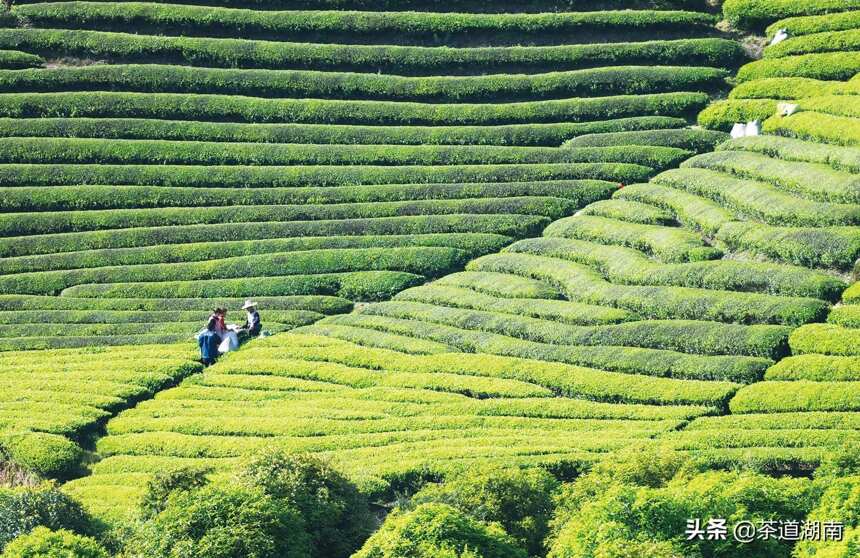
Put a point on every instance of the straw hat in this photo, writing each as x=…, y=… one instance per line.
x=248, y=304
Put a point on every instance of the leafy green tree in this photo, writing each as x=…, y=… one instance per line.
x=45, y=543
x=436, y=531
x=336, y=515
x=520, y=500
x=25, y=508
x=222, y=522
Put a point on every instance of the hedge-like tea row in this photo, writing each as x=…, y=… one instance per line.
x=188, y=329
x=551, y=135
x=500, y=285
x=566, y=379
x=807, y=25
x=845, y=316
x=818, y=368
x=779, y=421
x=627, y=266
x=22, y=320
x=826, y=339
x=476, y=6
x=558, y=310
x=837, y=105
x=816, y=126
x=722, y=115
x=710, y=338
x=281, y=177
x=810, y=180
x=590, y=82
x=790, y=88
x=359, y=285
x=582, y=284
x=841, y=158
x=17, y=60
x=471, y=244
x=758, y=199
x=698, y=141
x=510, y=225
x=192, y=106
x=756, y=14
x=837, y=247
x=428, y=261
x=667, y=244
x=156, y=152
x=381, y=339
x=399, y=60
x=826, y=65
x=372, y=331
x=72, y=198
x=692, y=211
x=801, y=395
x=38, y=223
x=378, y=27
x=831, y=41
x=630, y=211
x=23, y=303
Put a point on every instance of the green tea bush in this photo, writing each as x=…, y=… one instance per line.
x=836, y=247
x=785, y=88
x=828, y=339
x=722, y=115
x=828, y=41
x=47, y=455
x=756, y=14
x=799, y=395
x=26, y=508
x=698, y=141
x=825, y=65
x=816, y=126
x=16, y=60
x=500, y=285
x=816, y=367
x=630, y=211
x=789, y=149
x=694, y=212
x=45, y=543
x=807, y=25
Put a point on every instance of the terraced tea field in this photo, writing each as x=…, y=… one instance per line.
x=480, y=234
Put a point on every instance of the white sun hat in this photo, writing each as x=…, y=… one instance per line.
x=248, y=304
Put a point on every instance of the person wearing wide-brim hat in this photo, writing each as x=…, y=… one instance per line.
x=252, y=325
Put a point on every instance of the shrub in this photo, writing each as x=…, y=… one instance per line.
x=500, y=285
x=24, y=509
x=45, y=543
x=722, y=115
x=785, y=88
x=337, y=516
x=828, y=339
x=164, y=483
x=807, y=25
x=222, y=522
x=826, y=65
x=756, y=14
x=694, y=212
x=47, y=455
x=519, y=500
x=16, y=60
x=630, y=211
x=816, y=126
x=759, y=200
x=667, y=244
x=438, y=530
x=800, y=395
x=837, y=247
x=840, y=158
x=828, y=41
x=698, y=141
x=816, y=367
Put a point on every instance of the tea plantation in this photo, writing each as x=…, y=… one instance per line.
x=509, y=259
